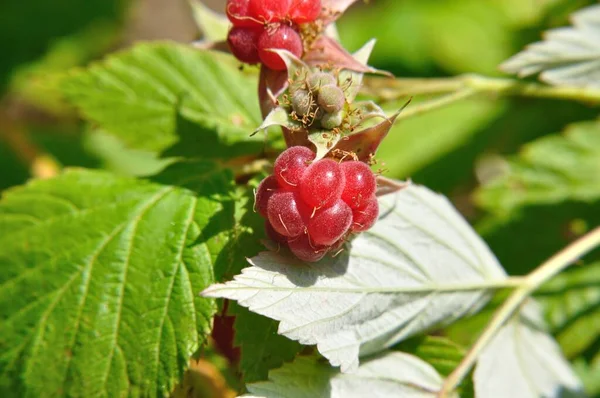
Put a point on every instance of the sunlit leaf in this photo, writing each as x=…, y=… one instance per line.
x=567, y=55
x=420, y=266
x=523, y=361
x=390, y=374
x=100, y=280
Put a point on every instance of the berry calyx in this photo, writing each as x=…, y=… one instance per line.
x=238, y=13
x=243, y=43
x=303, y=11
x=269, y=11
x=360, y=184
x=363, y=219
x=322, y=183
x=328, y=225
x=282, y=38
x=287, y=214
x=290, y=165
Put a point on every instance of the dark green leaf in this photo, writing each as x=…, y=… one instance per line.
x=143, y=94
x=100, y=282
x=550, y=170
x=572, y=307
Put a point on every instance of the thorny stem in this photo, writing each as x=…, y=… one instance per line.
x=390, y=90
x=531, y=282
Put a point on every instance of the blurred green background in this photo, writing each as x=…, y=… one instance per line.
x=444, y=149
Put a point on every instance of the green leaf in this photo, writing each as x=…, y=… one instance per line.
x=143, y=94
x=389, y=374
x=262, y=348
x=523, y=361
x=420, y=140
x=213, y=25
x=101, y=274
x=589, y=373
x=440, y=352
x=572, y=307
x=567, y=56
x=549, y=170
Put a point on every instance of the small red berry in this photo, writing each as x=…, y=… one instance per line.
x=287, y=213
x=302, y=248
x=303, y=11
x=360, y=184
x=328, y=225
x=282, y=38
x=243, y=44
x=290, y=165
x=322, y=183
x=265, y=190
x=269, y=11
x=274, y=235
x=365, y=218
x=238, y=13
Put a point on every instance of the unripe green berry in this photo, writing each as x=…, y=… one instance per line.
x=302, y=102
x=320, y=79
x=332, y=120
x=331, y=98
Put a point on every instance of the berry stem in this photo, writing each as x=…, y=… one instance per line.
x=386, y=90
x=528, y=285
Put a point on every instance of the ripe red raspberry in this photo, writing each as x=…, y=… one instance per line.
x=265, y=190
x=305, y=250
x=269, y=11
x=274, y=235
x=363, y=219
x=290, y=165
x=287, y=214
x=243, y=44
x=282, y=38
x=312, y=206
x=328, y=225
x=360, y=184
x=322, y=183
x=238, y=13
x=303, y=11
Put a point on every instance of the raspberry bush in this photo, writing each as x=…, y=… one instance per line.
x=247, y=224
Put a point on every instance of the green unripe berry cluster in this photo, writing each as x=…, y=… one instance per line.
x=318, y=99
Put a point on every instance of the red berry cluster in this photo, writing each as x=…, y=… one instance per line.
x=261, y=25
x=312, y=206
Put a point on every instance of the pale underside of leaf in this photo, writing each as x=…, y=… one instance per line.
x=98, y=294
x=389, y=374
x=568, y=56
x=420, y=266
x=523, y=361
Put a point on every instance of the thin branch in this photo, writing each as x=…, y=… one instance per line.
x=386, y=90
x=436, y=103
x=40, y=164
x=532, y=281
